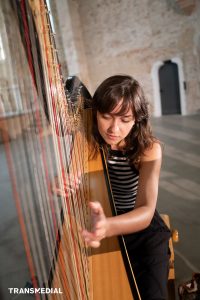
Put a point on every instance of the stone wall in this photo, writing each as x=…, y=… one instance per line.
x=130, y=36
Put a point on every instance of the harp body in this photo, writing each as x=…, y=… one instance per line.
x=108, y=275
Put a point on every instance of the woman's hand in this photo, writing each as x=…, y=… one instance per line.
x=69, y=183
x=99, y=228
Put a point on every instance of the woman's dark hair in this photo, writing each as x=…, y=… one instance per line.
x=110, y=92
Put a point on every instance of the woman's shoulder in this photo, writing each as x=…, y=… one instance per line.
x=152, y=153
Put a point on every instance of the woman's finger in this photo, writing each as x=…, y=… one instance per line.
x=96, y=208
x=94, y=244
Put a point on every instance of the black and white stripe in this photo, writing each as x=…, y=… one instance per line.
x=124, y=180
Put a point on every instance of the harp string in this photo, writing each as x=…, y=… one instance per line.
x=19, y=212
x=36, y=243
x=72, y=171
x=81, y=164
x=13, y=167
x=35, y=144
x=72, y=232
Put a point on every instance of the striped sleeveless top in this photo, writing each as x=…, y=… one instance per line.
x=124, y=180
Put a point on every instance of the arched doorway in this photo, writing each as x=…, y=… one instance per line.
x=157, y=101
x=169, y=88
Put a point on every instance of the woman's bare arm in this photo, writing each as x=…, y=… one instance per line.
x=137, y=219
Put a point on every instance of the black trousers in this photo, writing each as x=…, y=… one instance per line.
x=151, y=275
x=149, y=254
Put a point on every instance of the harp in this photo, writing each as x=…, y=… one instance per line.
x=43, y=138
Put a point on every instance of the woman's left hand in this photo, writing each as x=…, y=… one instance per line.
x=99, y=226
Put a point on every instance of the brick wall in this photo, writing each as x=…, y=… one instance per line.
x=129, y=36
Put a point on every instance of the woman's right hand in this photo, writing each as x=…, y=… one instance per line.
x=99, y=228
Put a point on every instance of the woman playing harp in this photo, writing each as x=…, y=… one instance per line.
x=54, y=249
x=121, y=127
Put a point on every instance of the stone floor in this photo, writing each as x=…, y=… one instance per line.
x=179, y=194
x=179, y=197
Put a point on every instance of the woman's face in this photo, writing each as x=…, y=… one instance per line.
x=114, y=128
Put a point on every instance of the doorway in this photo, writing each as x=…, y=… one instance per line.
x=169, y=88
x=168, y=70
